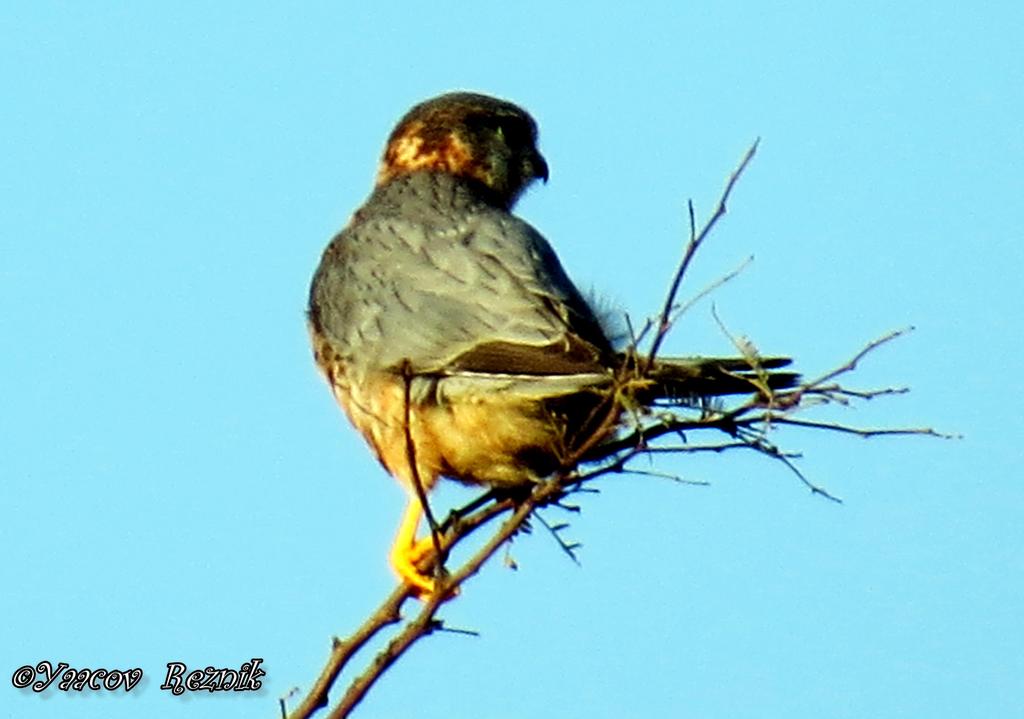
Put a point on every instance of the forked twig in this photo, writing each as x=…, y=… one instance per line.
x=696, y=240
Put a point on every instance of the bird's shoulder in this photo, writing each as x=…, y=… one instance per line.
x=446, y=274
x=430, y=226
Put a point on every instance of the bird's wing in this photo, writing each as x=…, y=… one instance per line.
x=485, y=293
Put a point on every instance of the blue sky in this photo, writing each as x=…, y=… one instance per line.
x=177, y=484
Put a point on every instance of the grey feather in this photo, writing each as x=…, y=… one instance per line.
x=426, y=272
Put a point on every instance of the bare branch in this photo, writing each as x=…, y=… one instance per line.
x=866, y=350
x=696, y=240
x=771, y=451
x=555, y=530
x=684, y=308
x=414, y=471
x=342, y=651
x=865, y=431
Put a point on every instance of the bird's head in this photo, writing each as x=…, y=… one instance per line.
x=475, y=137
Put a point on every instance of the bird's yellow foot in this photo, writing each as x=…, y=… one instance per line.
x=410, y=556
x=405, y=558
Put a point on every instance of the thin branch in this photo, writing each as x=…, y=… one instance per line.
x=685, y=307
x=866, y=350
x=661, y=475
x=283, y=701
x=414, y=472
x=815, y=489
x=697, y=448
x=696, y=240
x=424, y=623
x=457, y=630
x=837, y=391
x=866, y=431
x=342, y=651
x=569, y=548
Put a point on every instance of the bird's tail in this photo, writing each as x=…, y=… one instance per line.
x=686, y=378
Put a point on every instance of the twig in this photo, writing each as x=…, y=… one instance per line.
x=414, y=472
x=696, y=240
x=866, y=350
x=569, y=548
x=283, y=701
x=684, y=308
x=773, y=452
x=866, y=431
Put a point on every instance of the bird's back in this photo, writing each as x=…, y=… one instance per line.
x=428, y=275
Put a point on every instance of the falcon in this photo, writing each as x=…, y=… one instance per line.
x=448, y=330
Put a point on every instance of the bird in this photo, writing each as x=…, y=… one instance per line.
x=448, y=330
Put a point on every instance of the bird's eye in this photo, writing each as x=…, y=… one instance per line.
x=514, y=133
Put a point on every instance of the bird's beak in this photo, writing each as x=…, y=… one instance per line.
x=537, y=166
